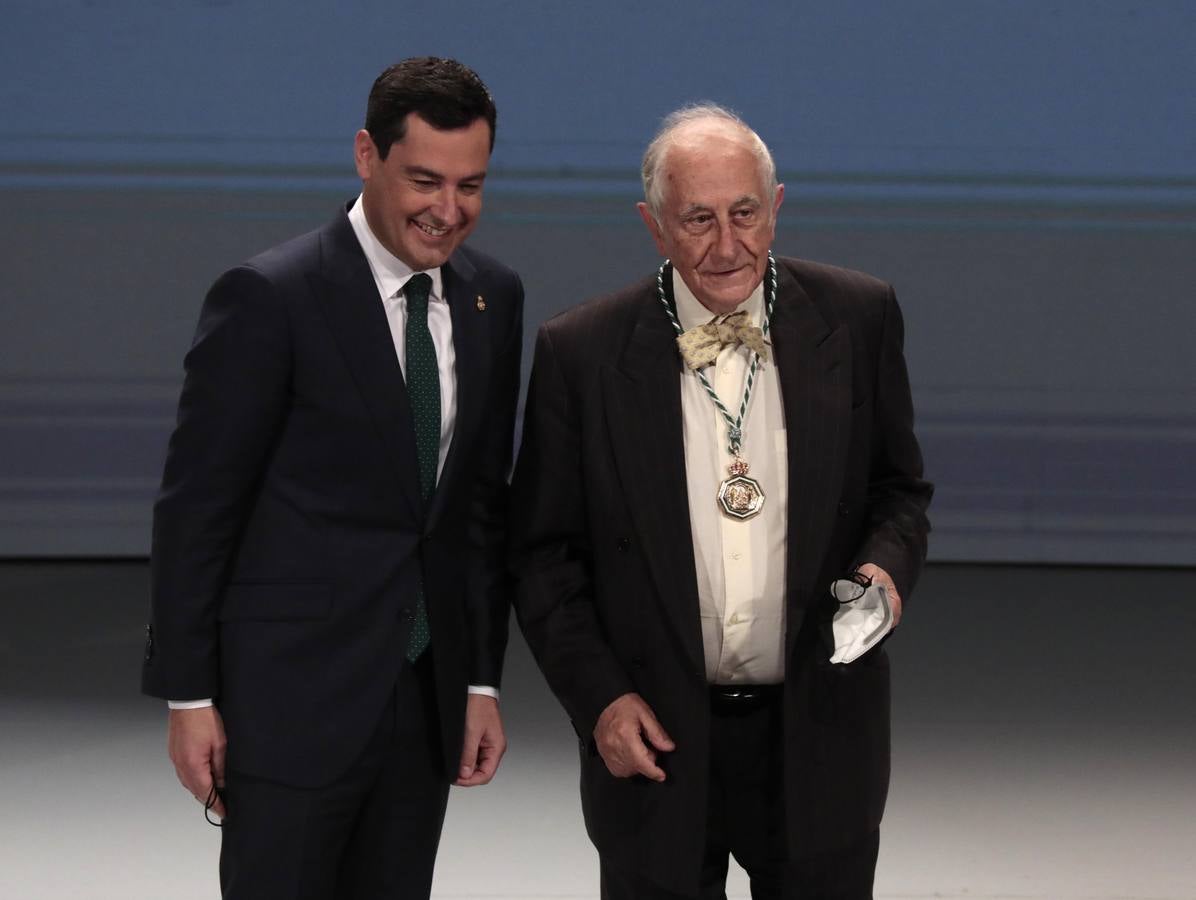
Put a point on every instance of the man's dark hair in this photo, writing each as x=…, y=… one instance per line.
x=443, y=92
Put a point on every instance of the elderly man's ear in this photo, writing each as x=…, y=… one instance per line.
x=653, y=227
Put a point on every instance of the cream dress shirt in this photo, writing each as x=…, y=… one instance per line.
x=740, y=564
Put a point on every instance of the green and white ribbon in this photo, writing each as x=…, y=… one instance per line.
x=734, y=426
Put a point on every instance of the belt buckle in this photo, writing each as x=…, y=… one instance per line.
x=735, y=698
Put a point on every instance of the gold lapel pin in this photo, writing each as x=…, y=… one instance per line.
x=481, y=304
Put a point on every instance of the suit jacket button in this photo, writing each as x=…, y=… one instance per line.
x=406, y=615
x=624, y=545
x=844, y=509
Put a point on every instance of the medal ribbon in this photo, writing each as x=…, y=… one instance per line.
x=734, y=426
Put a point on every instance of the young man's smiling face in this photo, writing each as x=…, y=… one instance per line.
x=424, y=199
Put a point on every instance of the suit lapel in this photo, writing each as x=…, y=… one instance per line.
x=357, y=319
x=642, y=399
x=472, y=350
x=814, y=364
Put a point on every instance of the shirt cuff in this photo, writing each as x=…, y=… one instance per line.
x=484, y=689
x=189, y=704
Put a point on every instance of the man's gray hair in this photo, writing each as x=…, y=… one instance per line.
x=654, y=157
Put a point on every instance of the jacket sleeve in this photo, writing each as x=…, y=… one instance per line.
x=896, y=529
x=233, y=400
x=550, y=549
x=488, y=592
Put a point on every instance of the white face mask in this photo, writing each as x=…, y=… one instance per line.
x=859, y=625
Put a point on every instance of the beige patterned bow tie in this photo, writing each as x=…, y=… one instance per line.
x=700, y=346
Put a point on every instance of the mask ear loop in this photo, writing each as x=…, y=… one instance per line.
x=213, y=796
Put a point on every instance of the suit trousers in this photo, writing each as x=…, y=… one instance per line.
x=372, y=833
x=746, y=819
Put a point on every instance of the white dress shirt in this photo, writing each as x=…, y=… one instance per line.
x=740, y=563
x=391, y=275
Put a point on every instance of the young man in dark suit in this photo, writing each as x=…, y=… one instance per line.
x=704, y=453
x=329, y=610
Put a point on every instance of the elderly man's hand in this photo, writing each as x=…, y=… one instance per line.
x=628, y=738
x=880, y=576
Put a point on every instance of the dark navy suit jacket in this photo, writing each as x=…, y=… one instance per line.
x=290, y=535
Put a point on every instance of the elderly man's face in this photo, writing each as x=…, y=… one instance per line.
x=716, y=222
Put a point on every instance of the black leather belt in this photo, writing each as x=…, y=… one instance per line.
x=743, y=698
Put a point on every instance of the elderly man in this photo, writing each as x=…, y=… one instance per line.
x=330, y=597
x=687, y=492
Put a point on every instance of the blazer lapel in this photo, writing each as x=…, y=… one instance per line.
x=471, y=347
x=358, y=323
x=814, y=364
x=642, y=398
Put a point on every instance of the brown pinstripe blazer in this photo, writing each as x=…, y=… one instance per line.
x=600, y=540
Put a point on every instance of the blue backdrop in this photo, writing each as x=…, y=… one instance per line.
x=1023, y=172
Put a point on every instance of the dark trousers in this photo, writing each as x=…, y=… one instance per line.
x=746, y=819
x=372, y=833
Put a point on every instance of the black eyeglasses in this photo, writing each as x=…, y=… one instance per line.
x=850, y=587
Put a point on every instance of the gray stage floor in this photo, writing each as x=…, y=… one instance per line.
x=1044, y=747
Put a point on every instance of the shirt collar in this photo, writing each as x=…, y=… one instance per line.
x=390, y=272
x=691, y=313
